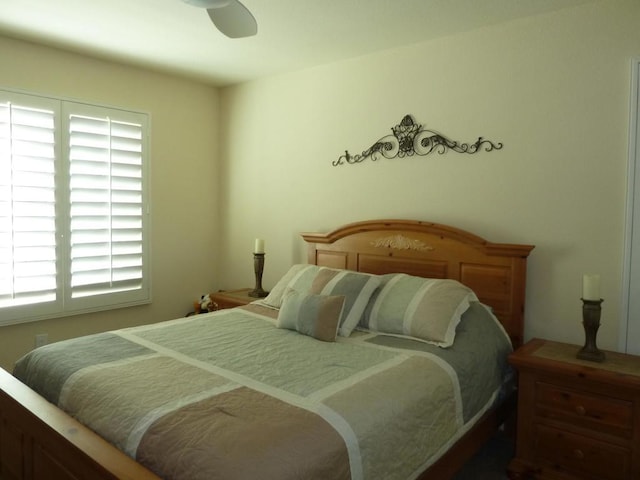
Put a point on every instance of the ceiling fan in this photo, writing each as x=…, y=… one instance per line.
x=230, y=16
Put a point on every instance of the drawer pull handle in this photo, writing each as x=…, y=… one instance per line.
x=578, y=454
x=580, y=410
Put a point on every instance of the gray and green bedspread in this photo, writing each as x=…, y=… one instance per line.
x=227, y=395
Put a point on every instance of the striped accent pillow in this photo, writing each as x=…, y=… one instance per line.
x=317, y=316
x=299, y=277
x=424, y=308
x=357, y=288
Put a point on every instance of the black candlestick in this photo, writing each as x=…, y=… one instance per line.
x=591, y=321
x=258, y=266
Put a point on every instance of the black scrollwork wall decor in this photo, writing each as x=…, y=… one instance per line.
x=410, y=138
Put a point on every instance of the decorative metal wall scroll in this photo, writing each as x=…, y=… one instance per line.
x=409, y=138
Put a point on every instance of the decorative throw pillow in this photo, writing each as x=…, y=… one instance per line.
x=424, y=308
x=357, y=288
x=317, y=316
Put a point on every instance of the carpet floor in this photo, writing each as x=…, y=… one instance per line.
x=490, y=463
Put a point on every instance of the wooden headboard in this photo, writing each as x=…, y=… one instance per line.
x=495, y=272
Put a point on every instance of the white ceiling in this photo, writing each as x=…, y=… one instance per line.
x=170, y=35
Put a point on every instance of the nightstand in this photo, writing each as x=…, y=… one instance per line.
x=576, y=419
x=232, y=298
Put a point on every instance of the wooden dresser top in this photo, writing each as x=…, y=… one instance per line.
x=560, y=357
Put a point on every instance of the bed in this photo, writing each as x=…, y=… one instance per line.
x=334, y=375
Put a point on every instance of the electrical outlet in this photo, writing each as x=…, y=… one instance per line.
x=42, y=339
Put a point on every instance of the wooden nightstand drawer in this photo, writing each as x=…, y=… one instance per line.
x=577, y=420
x=584, y=456
x=604, y=414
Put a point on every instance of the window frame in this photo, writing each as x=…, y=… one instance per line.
x=64, y=305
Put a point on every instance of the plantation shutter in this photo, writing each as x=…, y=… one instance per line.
x=73, y=207
x=106, y=205
x=27, y=205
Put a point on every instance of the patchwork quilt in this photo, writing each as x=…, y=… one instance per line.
x=227, y=395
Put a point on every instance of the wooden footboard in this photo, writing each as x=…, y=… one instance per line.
x=39, y=441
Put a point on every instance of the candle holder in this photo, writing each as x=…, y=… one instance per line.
x=591, y=310
x=258, y=267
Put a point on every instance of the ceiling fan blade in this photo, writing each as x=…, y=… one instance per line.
x=234, y=20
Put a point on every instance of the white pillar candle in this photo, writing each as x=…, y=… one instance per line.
x=258, y=246
x=591, y=286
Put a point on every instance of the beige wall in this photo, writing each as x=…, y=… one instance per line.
x=553, y=88
x=184, y=195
